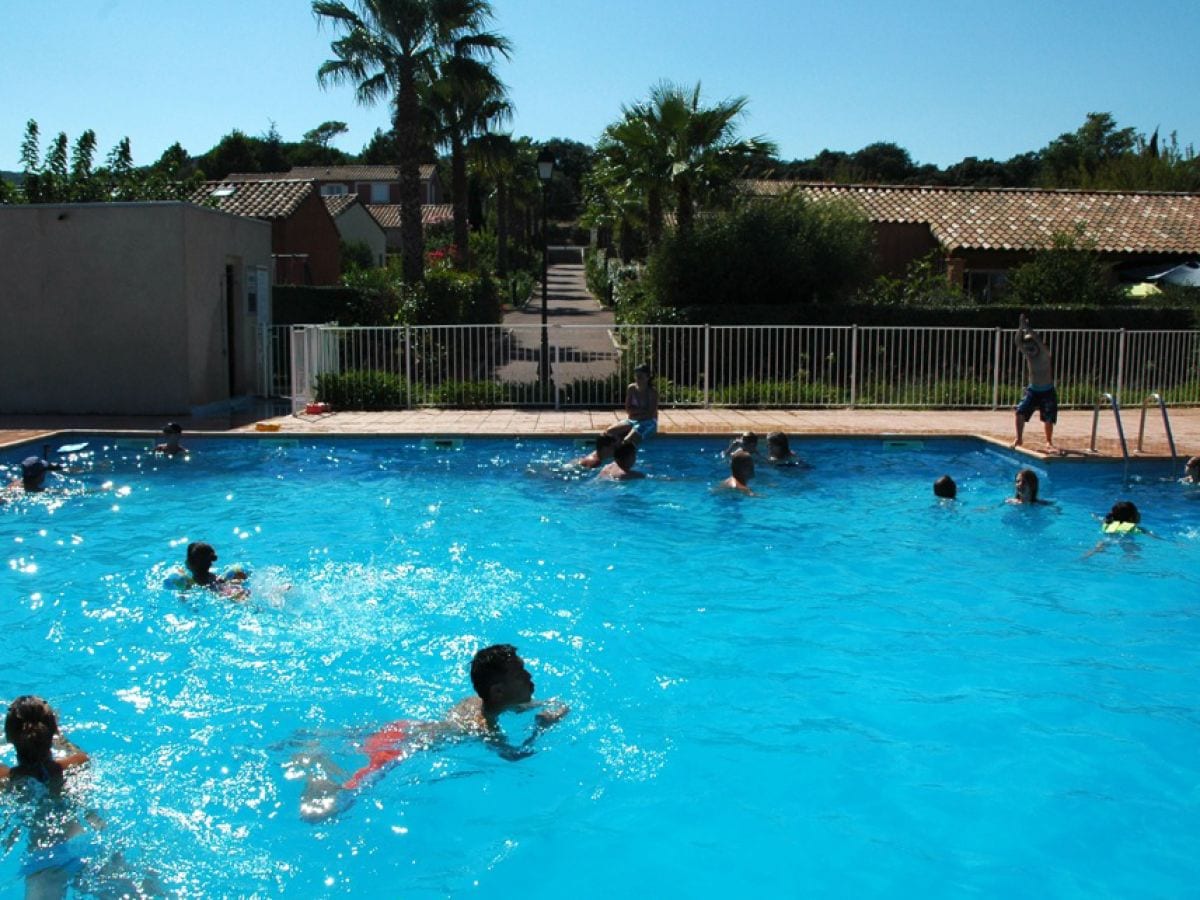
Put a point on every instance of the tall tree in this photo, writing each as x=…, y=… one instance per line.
x=703, y=154
x=464, y=101
x=390, y=49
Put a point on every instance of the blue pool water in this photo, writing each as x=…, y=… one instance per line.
x=838, y=688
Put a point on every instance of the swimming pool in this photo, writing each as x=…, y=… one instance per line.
x=837, y=688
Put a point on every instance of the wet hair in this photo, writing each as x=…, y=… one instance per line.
x=491, y=665
x=1192, y=466
x=30, y=727
x=1123, y=511
x=605, y=441
x=200, y=556
x=741, y=466
x=625, y=455
x=1030, y=476
x=172, y=428
x=644, y=369
x=777, y=445
x=945, y=487
x=748, y=440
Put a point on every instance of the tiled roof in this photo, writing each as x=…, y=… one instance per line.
x=388, y=214
x=339, y=203
x=1020, y=218
x=258, y=199
x=354, y=173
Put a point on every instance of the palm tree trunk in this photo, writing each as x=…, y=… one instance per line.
x=654, y=216
x=683, y=215
x=502, y=202
x=458, y=182
x=408, y=143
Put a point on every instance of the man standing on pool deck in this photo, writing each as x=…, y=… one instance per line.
x=1040, y=393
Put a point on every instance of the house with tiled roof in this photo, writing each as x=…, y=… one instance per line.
x=388, y=217
x=985, y=232
x=371, y=184
x=305, y=243
x=357, y=226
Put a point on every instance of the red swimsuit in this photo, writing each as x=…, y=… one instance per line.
x=389, y=744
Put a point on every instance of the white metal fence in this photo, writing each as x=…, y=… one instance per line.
x=702, y=365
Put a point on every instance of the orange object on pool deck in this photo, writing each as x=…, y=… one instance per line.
x=387, y=745
x=266, y=426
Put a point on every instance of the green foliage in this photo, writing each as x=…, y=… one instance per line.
x=453, y=298
x=768, y=254
x=518, y=288
x=924, y=284
x=1070, y=273
x=366, y=390
x=357, y=255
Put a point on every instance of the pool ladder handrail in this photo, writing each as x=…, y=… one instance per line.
x=1157, y=398
x=1108, y=398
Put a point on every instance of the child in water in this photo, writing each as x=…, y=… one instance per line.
x=741, y=470
x=200, y=557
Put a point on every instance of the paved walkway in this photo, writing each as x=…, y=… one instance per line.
x=1073, y=432
x=581, y=353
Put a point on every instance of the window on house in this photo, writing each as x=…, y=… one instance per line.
x=379, y=192
x=333, y=190
x=986, y=286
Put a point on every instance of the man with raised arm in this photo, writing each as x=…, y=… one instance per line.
x=1040, y=393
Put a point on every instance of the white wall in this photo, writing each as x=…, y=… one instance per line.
x=356, y=224
x=119, y=307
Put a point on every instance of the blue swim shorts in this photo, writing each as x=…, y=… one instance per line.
x=644, y=427
x=1043, y=399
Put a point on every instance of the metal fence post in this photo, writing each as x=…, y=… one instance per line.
x=707, y=362
x=408, y=355
x=557, y=369
x=1120, y=363
x=996, y=372
x=853, y=365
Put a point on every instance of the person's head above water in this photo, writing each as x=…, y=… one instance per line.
x=1192, y=468
x=200, y=557
x=945, y=488
x=499, y=677
x=777, y=445
x=33, y=472
x=741, y=466
x=30, y=727
x=625, y=455
x=1124, y=511
x=1026, y=484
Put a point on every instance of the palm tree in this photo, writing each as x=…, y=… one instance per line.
x=672, y=142
x=465, y=101
x=392, y=49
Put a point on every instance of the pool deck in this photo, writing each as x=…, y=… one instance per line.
x=1072, y=434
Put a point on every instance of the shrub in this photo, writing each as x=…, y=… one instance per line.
x=364, y=390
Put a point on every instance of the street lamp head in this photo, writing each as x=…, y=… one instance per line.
x=545, y=164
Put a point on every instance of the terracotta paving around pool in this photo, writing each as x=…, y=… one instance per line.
x=1073, y=433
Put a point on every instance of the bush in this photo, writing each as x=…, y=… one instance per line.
x=451, y=298
x=782, y=253
x=364, y=390
x=1069, y=273
x=357, y=255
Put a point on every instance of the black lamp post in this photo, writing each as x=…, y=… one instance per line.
x=545, y=170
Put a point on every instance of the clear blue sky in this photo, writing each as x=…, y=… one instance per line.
x=945, y=80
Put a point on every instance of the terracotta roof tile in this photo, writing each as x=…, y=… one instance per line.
x=354, y=173
x=339, y=203
x=275, y=199
x=388, y=214
x=1021, y=218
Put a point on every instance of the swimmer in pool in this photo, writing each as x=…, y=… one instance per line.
x=1191, y=471
x=502, y=685
x=741, y=470
x=622, y=466
x=747, y=441
x=605, y=445
x=1122, y=521
x=779, y=451
x=945, y=488
x=1026, y=489
x=200, y=557
x=172, y=432
x=33, y=473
